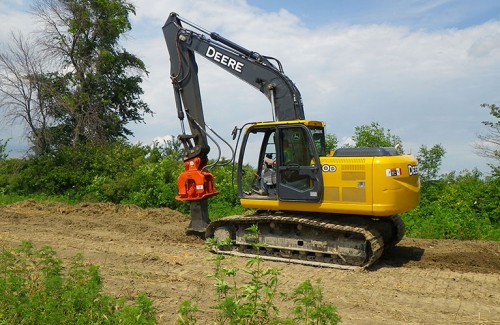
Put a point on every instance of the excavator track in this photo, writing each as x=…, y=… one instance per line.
x=398, y=229
x=342, y=242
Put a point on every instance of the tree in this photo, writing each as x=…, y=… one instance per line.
x=489, y=145
x=374, y=135
x=331, y=142
x=23, y=87
x=99, y=82
x=429, y=161
x=3, y=149
x=172, y=148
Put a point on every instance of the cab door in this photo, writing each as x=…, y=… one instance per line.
x=298, y=168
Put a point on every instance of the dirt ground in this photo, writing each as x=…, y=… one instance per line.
x=146, y=251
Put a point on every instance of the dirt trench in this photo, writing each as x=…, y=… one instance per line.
x=146, y=251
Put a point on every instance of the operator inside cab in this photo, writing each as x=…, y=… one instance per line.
x=268, y=174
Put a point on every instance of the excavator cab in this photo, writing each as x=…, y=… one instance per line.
x=279, y=161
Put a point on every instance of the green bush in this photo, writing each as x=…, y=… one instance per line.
x=227, y=201
x=37, y=289
x=116, y=172
x=463, y=206
x=155, y=184
x=458, y=206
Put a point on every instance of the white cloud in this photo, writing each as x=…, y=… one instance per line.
x=13, y=19
x=426, y=86
x=486, y=45
x=163, y=140
x=346, y=141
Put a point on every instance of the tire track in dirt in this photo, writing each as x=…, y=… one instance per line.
x=146, y=250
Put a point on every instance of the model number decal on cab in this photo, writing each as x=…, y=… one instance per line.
x=412, y=170
x=329, y=168
x=393, y=172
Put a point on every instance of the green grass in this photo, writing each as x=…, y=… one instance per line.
x=38, y=289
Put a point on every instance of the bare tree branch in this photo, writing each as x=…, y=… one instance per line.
x=22, y=66
x=489, y=143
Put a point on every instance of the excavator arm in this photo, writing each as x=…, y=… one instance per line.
x=251, y=67
x=196, y=184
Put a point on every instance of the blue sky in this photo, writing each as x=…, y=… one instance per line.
x=428, y=15
x=418, y=68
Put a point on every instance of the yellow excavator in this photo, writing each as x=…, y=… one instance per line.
x=331, y=209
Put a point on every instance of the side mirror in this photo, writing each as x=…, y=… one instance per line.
x=234, y=132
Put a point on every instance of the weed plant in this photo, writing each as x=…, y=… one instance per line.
x=255, y=300
x=37, y=289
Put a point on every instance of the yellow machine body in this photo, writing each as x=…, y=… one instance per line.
x=372, y=186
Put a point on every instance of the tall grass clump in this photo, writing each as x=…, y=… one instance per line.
x=38, y=289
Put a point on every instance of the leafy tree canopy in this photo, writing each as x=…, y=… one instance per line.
x=96, y=91
x=331, y=142
x=374, y=135
x=429, y=161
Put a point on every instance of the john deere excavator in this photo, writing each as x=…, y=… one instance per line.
x=311, y=207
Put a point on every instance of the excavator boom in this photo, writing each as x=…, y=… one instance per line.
x=253, y=68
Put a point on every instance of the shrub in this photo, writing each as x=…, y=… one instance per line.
x=227, y=201
x=463, y=206
x=35, y=290
x=116, y=172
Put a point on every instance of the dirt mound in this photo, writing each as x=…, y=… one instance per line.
x=131, y=220
x=163, y=215
x=454, y=255
x=146, y=250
